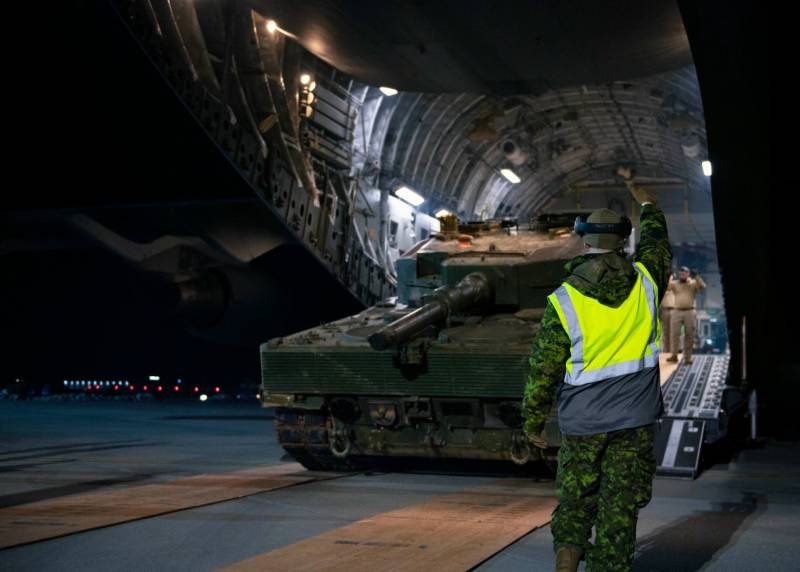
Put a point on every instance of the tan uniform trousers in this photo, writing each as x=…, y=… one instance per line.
x=687, y=319
x=666, y=328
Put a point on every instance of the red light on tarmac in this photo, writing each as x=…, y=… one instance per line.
x=196, y=389
x=176, y=388
x=144, y=388
x=97, y=387
x=159, y=388
x=132, y=388
x=216, y=389
x=116, y=388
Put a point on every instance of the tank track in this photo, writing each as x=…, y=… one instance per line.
x=304, y=435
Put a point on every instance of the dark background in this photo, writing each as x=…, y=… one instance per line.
x=98, y=130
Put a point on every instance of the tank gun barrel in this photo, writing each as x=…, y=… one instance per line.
x=472, y=290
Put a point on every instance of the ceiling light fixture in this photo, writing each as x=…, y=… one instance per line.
x=390, y=91
x=706, y=168
x=409, y=196
x=510, y=175
x=272, y=25
x=305, y=79
x=441, y=213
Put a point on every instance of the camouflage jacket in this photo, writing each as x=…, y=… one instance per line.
x=606, y=277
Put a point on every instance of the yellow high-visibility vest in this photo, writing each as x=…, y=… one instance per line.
x=609, y=342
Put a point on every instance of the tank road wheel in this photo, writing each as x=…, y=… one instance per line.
x=340, y=446
x=304, y=435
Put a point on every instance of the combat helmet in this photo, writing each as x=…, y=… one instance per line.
x=603, y=229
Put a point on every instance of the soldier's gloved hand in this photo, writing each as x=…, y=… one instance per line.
x=625, y=172
x=537, y=439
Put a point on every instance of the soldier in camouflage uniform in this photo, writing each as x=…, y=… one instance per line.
x=604, y=478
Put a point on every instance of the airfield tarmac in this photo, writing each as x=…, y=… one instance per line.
x=182, y=485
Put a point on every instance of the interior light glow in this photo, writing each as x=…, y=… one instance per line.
x=442, y=213
x=272, y=25
x=390, y=91
x=510, y=175
x=707, y=168
x=305, y=79
x=155, y=378
x=409, y=196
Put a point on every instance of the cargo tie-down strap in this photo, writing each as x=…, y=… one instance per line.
x=41, y=520
x=454, y=532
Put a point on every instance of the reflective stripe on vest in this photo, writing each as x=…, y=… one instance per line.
x=615, y=343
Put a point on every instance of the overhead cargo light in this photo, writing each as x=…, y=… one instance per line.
x=390, y=91
x=442, y=213
x=272, y=25
x=305, y=79
x=510, y=175
x=409, y=196
x=706, y=168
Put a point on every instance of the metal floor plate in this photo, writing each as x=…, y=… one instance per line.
x=61, y=516
x=455, y=532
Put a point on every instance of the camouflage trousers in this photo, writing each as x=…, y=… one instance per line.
x=603, y=481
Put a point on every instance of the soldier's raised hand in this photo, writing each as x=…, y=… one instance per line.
x=640, y=195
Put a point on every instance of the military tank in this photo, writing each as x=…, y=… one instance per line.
x=437, y=371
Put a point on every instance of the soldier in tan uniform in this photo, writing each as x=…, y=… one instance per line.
x=684, y=290
x=667, y=304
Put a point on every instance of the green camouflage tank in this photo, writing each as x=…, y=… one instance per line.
x=437, y=372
